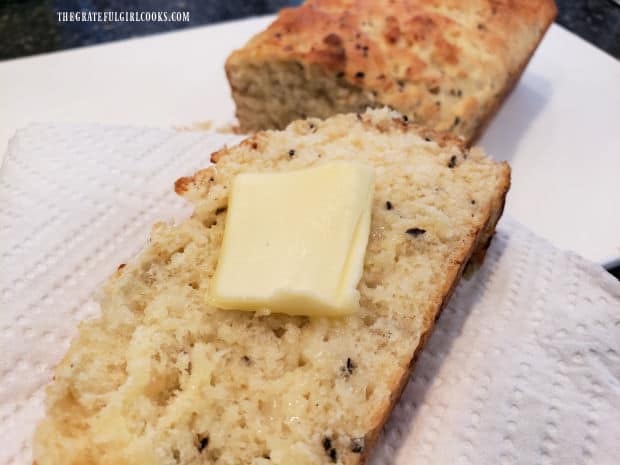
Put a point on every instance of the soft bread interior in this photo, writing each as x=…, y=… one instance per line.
x=163, y=378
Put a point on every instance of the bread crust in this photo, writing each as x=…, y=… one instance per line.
x=436, y=62
x=551, y=14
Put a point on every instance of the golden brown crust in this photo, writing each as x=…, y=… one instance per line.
x=215, y=156
x=513, y=80
x=442, y=64
x=198, y=182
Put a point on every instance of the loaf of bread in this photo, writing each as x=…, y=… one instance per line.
x=163, y=378
x=445, y=64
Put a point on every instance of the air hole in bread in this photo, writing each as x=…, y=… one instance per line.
x=162, y=387
x=369, y=320
x=279, y=331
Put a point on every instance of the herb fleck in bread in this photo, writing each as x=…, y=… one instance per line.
x=163, y=378
x=445, y=64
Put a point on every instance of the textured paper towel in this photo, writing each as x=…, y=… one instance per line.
x=523, y=366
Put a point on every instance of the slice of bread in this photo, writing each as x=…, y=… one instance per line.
x=445, y=64
x=163, y=378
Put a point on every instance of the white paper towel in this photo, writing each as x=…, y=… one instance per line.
x=523, y=366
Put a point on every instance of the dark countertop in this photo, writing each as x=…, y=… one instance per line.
x=30, y=27
x=597, y=21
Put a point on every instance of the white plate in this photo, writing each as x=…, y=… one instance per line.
x=559, y=129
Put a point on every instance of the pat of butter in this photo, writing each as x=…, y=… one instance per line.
x=295, y=241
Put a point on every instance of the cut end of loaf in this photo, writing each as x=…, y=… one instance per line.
x=447, y=65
